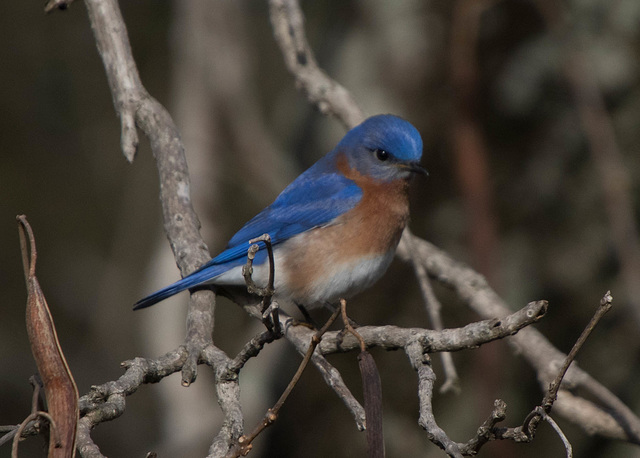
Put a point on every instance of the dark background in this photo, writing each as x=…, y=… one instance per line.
x=516, y=190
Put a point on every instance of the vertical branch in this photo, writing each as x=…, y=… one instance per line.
x=135, y=106
x=433, y=307
x=421, y=363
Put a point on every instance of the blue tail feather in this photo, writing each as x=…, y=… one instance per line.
x=198, y=277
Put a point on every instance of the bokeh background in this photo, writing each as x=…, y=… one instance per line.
x=529, y=112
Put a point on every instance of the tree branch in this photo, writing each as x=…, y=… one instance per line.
x=533, y=347
x=469, y=336
x=322, y=91
x=134, y=105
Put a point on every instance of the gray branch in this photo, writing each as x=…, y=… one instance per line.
x=431, y=341
x=135, y=106
x=421, y=363
x=614, y=419
x=326, y=94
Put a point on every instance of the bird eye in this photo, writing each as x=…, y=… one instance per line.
x=381, y=154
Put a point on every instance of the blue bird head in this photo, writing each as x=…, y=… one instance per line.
x=384, y=147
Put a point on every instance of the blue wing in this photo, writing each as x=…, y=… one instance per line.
x=314, y=199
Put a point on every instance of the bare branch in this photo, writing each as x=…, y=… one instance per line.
x=106, y=402
x=433, y=307
x=326, y=94
x=228, y=394
x=531, y=345
x=251, y=349
x=556, y=428
x=86, y=446
x=135, y=106
x=244, y=443
x=605, y=306
x=469, y=336
x=299, y=337
x=421, y=363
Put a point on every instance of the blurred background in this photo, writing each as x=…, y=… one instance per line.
x=529, y=114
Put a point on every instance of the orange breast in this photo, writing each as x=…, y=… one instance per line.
x=368, y=231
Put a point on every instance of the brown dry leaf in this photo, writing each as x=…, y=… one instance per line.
x=60, y=389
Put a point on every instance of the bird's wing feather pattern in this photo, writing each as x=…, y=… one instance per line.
x=303, y=205
x=308, y=202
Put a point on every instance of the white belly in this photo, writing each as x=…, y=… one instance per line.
x=339, y=281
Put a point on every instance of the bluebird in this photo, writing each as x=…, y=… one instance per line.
x=334, y=229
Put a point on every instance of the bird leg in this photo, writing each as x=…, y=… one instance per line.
x=308, y=319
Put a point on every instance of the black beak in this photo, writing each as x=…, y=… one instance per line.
x=417, y=168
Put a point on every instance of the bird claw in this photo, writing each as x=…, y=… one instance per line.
x=271, y=318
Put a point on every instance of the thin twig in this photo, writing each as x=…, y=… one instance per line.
x=299, y=337
x=433, y=308
x=251, y=349
x=244, y=444
x=485, y=432
x=532, y=420
x=266, y=238
x=604, y=307
x=567, y=445
x=32, y=417
x=348, y=327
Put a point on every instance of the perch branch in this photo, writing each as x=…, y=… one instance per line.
x=469, y=336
